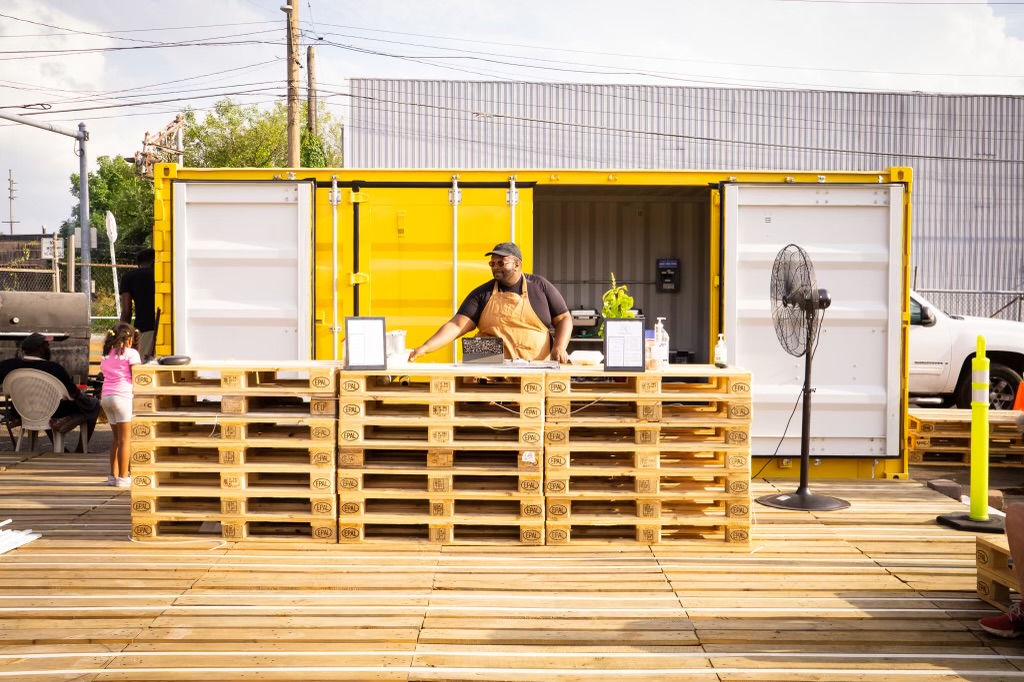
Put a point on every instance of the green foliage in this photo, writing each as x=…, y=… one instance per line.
x=118, y=187
x=312, y=154
x=239, y=136
x=616, y=302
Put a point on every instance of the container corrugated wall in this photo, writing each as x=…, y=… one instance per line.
x=967, y=151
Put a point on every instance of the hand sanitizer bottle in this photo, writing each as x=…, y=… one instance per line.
x=661, y=344
x=720, y=352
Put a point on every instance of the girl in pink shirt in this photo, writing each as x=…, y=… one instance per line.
x=119, y=355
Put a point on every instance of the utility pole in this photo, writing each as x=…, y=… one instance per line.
x=292, y=12
x=10, y=196
x=311, y=90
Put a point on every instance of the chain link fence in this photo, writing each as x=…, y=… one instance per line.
x=1005, y=305
x=26, y=264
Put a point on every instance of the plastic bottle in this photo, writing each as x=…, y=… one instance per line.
x=720, y=352
x=661, y=344
x=650, y=359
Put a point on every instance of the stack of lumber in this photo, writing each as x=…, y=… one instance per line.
x=647, y=458
x=996, y=578
x=943, y=436
x=242, y=450
x=452, y=456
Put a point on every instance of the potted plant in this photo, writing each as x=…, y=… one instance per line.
x=616, y=302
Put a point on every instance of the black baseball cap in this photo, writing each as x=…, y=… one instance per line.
x=34, y=342
x=506, y=249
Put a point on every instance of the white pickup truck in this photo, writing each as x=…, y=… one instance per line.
x=942, y=347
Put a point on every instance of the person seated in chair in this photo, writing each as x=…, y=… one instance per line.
x=35, y=354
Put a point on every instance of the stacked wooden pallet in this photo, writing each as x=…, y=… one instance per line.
x=452, y=456
x=647, y=457
x=943, y=436
x=240, y=450
x=996, y=578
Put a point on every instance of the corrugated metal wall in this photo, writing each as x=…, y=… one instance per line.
x=582, y=234
x=967, y=151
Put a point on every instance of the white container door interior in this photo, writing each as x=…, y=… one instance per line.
x=854, y=237
x=241, y=270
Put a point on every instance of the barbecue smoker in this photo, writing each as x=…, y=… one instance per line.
x=65, y=317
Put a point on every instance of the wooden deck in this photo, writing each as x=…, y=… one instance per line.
x=875, y=592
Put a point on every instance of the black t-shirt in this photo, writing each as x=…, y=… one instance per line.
x=545, y=300
x=139, y=283
x=54, y=368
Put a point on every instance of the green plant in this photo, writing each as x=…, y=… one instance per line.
x=616, y=302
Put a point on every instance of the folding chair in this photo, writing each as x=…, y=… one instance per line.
x=36, y=396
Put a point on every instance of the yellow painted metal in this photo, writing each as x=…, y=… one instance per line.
x=899, y=468
x=979, y=433
x=406, y=247
x=716, y=288
x=163, y=300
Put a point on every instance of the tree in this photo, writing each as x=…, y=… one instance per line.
x=238, y=136
x=118, y=187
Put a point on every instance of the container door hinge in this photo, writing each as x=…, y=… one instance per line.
x=455, y=194
x=357, y=197
x=512, y=193
x=358, y=278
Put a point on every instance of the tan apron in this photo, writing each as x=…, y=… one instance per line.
x=510, y=317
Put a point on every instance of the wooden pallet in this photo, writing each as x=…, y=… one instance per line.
x=942, y=437
x=244, y=378
x=209, y=405
x=648, y=533
x=468, y=434
x=418, y=460
x=460, y=408
x=640, y=460
x=697, y=382
x=443, y=532
x=144, y=454
x=616, y=409
x=366, y=507
x=996, y=578
x=491, y=485
x=962, y=455
x=456, y=382
x=257, y=478
x=203, y=503
x=666, y=509
x=680, y=487
x=582, y=434
x=934, y=421
x=281, y=430
x=233, y=528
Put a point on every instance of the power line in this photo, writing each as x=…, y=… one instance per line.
x=640, y=56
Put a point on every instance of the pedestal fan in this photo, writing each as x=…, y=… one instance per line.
x=797, y=305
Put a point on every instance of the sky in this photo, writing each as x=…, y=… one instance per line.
x=127, y=67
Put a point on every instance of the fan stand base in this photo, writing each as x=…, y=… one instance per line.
x=803, y=500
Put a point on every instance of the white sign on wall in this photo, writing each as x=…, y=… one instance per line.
x=46, y=248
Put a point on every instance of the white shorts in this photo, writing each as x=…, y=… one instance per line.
x=117, y=408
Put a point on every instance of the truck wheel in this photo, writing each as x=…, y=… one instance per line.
x=1002, y=388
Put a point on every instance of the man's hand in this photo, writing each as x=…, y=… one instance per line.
x=560, y=355
x=416, y=352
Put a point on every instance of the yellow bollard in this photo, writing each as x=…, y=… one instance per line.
x=976, y=520
x=979, y=433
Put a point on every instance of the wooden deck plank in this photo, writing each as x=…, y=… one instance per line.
x=849, y=595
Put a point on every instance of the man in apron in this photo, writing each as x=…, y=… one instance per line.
x=518, y=308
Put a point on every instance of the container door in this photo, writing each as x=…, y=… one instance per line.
x=241, y=269
x=854, y=237
x=423, y=255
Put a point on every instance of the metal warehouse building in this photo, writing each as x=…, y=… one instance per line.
x=967, y=152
